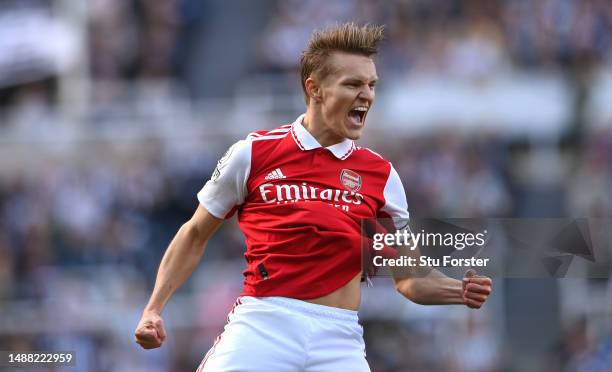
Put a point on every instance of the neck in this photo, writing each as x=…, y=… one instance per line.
x=315, y=125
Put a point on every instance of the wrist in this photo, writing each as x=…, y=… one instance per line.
x=150, y=309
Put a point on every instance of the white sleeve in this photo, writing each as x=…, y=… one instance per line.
x=226, y=188
x=396, y=205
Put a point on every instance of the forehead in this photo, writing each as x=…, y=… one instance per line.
x=346, y=65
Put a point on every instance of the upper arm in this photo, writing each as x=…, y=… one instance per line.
x=204, y=224
x=227, y=189
x=395, y=205
x=400, y=273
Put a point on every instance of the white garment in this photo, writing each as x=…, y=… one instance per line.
x=284, y=335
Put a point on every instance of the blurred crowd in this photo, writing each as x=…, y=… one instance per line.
x=105, y=210
x=472, y=38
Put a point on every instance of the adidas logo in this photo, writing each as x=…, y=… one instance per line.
x=276, y=174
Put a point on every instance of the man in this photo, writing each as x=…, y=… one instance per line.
x=300, y=192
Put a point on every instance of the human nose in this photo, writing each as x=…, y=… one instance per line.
x=367, y=93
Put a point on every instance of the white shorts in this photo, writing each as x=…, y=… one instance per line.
x=284, y=334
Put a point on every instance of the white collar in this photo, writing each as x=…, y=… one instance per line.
x=306, y=141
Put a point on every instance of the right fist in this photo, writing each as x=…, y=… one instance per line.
x=150, y=332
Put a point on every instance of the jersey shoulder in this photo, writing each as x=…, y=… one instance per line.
x=369, y=155
x=269, y=134
x=267, y=146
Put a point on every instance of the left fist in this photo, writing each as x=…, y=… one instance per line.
x=476, y=289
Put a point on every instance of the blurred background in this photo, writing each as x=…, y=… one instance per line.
x=113, y=114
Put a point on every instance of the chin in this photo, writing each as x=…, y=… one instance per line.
x=353, y=135
x=353, y=132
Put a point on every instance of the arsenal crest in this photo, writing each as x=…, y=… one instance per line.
x=350, y=180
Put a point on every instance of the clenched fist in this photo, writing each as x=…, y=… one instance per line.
x=150, y=332
x=476, y=289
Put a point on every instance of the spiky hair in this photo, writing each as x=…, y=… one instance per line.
x=347, y=37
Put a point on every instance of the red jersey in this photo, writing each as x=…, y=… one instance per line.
x=300, y=207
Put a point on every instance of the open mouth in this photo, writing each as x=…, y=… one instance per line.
x=357, y=115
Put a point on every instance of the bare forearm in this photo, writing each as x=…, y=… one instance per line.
x=179, y=261
x=433, y=289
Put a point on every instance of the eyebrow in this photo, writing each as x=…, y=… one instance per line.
x=358, y=80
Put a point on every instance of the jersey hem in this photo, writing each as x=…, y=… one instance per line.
x=308, y=296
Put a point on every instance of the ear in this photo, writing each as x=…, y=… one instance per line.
x=313, y=89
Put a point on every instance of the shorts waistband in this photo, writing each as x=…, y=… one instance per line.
x=307, y=308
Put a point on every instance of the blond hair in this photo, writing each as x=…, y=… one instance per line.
x=347, y=37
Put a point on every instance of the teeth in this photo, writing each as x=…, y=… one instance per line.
x=360, y=108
